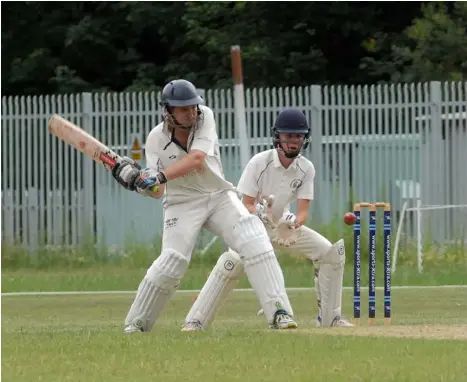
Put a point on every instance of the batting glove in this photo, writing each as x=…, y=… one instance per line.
x=262, y=211
x=148, y=178
x=125, y=173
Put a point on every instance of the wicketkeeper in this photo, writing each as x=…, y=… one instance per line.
x=289, y=176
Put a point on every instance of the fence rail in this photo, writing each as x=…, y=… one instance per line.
x=368, y=143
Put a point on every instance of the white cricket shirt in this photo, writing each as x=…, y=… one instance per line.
x=161, y=152
x=264, y=175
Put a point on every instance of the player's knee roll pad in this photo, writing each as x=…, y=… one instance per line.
x=335, y=255
x=251, y=237
x=230, y=265
x=168, y=269
x=330, y=278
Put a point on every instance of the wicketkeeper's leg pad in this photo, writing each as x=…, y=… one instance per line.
x=222, y=280
x=157, y=288
x=329, y=282
x=261, y=266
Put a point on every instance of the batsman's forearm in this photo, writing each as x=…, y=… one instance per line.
x=193, y=161
x=302, y=217
x=303, y=206
x=250, y=208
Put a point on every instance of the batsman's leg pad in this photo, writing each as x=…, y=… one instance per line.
x=330, y=279
x=222, y=280
x=261, y=266
x=155, y=291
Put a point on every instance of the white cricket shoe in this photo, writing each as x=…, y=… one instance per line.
x=337, y=322
x=132, y=328
x=192, y=326
x=341, y=322
x=282, y=320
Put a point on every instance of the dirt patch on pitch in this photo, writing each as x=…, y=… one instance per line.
x=448, y=332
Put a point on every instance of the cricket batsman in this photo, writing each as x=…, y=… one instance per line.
x=289, y=176
x=182, y=155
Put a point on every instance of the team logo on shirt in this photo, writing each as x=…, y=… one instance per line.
x=296, y=183
x=169, y=223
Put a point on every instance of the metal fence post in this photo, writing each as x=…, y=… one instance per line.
x=88, y=170
x=33, y=218
x=439, y=166
x=8, y=224
x=317, y=146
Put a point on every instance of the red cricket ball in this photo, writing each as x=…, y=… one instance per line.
x=350, y=218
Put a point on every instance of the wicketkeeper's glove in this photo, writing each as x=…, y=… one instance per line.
x=286, y=232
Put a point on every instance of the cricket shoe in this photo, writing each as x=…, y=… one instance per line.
x=132, y=328
x=341, y=322
x=282, y=320
x=337, y=322
x=192, y=326
x=286, y=322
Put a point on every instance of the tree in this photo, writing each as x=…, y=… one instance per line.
x=434, y=47
x=86, y=46
x=116, y=46
x=289, y=43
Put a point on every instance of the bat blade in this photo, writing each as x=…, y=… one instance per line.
x=86, y=143
x=83, y=141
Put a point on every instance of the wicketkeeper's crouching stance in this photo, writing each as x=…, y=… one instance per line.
x=183, y=151
x=287, y=175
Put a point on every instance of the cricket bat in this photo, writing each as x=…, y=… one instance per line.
x=85, y=142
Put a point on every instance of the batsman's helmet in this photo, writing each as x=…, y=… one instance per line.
x=180, y=93
x=291, y=121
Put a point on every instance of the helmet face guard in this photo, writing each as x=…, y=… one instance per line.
x=282, y=144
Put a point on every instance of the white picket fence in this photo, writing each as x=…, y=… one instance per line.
x=391, y=142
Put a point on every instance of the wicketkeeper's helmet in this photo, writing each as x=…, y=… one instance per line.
x=291, y=121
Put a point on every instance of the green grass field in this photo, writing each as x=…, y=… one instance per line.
x=297, y=273
x=80, y=338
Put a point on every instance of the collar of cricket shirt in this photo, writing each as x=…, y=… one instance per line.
x=169, y=133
